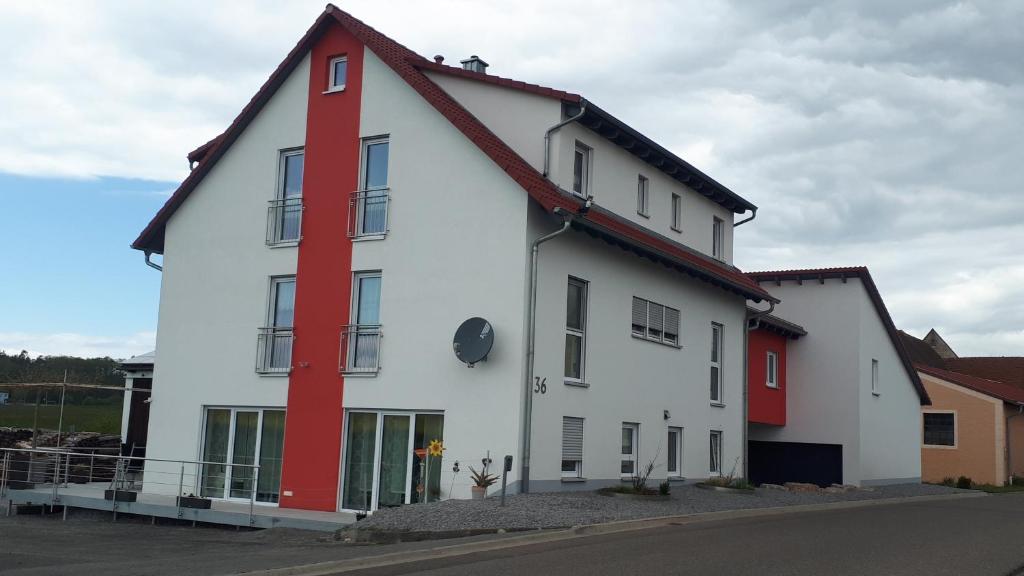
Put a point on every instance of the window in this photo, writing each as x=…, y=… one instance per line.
x=581, y=170
x=939, y=429
x=642, y=197
x=716, y=364
x=674, y=464
x=285, y=215
x=369, y=216
x=235, y=440
x=339, y=72
x=656, y=322
x=716, y=452
x=874, y=378
x=677, y=213
x=575, y=329
x=718, y=239
x=630, y=448
x=772, y=378
x=363, y=337
x=572, y=447
x=274, y=343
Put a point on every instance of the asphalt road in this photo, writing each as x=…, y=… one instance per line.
x=976, y=536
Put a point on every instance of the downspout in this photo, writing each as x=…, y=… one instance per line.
x=555, y=128
x=753, y=321
x=1009, y=453
x=152, y=264
x=753, y=214
x=531, y=329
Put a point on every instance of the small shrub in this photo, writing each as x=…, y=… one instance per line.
x=964, y=482
x=664, y=488
x=948, y=481
x=1017, y=481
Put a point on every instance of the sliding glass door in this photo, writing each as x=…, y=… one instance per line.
x=234, y=437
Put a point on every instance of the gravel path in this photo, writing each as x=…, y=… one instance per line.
x=565, y=509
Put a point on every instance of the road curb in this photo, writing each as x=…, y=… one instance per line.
x=539, y=537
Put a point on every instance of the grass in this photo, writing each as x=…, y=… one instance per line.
x=105, y=418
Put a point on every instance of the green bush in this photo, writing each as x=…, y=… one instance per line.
x=664, y=488
x=964, y=482
x=949, y=481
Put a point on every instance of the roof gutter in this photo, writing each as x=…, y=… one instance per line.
x=753, y=214
x=152, y=264
x=555, y=128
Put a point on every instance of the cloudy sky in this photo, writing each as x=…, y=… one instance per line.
x=875, y=132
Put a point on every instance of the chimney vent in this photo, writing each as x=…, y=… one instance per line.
x=475, y=64
x=439, y=59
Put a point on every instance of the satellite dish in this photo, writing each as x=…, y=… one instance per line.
x=473, y=341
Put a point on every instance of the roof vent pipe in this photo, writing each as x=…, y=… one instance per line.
x=475, y=64
x=438, y=59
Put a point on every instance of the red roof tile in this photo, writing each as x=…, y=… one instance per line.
x=1000, y=390
x=1007, y=369
x=423, y=64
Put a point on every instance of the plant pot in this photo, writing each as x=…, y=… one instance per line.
x=479, y=492
x=194, y=502
x=120, y=495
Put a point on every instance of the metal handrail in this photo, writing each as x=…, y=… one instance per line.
x=274, y=349
x=360, y=349
x=280, y=213
x=373, y=201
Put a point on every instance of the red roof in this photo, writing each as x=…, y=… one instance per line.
x=1000, y=390
x=496, y=80
x=1008, y=369
x=860, y=272
x=407, y=64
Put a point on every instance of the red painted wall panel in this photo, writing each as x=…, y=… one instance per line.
x=323, y=284
x=766, y=405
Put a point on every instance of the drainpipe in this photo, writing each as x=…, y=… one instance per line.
x=753, y=214
x=152, y=264
x=753, y=321
x=531, y=333
x=552, y=130
x=1009, y=453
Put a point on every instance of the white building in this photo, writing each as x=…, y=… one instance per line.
x=364, y=204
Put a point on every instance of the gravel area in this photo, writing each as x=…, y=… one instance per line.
x=566, y=509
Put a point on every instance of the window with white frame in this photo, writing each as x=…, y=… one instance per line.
x=939, y=429
x=716, y=452
x=677, y=213
x=772, y=370
x=874, y=378
x=575, y=329
x=718, y=238
x=235, y=442
x=363, y=337
x=581, y=170
x=369, y=214
x=274, y=342
x=630, y=448
x=674, y=460
x=642, y=195
x=656, y=322
x=717, y=396
x=339, y=73
x=572, y=447
x=284, y=220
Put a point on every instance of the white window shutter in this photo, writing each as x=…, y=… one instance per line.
x=572, y=438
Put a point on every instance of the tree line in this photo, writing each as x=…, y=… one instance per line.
x=23, y=368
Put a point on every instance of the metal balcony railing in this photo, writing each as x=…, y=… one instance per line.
x=360, y=349
x=368, y=213
x=284, y=221
x=274, y=350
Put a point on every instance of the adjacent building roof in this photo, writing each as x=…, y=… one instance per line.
x=1000, y=390
x=920, y=352
x=777, y=325
x=409, y=65
x=140, y=362
x=938, y=344
x=1007, y=369
x=861, y=273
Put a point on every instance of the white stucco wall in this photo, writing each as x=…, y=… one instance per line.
x=631, y=380
x=456, y=249
x=214, y=290
x=613, y=184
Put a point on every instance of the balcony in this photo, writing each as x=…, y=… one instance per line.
x=368, y=213
x=360, y=349
x=274, y=350
x=284, y=221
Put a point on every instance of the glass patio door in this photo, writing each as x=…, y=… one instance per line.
x=394, y=461
x=233, y=439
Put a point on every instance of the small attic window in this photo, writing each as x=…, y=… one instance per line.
x=339, y=72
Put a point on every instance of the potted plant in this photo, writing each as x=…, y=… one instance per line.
x=482, y=481
x=193, y=501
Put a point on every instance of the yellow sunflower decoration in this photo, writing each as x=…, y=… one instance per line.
x=435, y=448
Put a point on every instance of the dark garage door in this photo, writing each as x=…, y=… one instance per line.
x=781, y=462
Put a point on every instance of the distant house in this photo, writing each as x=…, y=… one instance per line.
x=138, y=372
x=975, y=425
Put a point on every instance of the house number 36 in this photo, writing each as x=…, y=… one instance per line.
x=540, y=385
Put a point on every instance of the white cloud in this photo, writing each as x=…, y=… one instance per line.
x=83, y=345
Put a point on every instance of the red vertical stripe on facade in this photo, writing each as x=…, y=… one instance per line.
x=323, y=285
x=766, y=405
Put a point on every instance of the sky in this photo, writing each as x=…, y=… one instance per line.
x=875, y=133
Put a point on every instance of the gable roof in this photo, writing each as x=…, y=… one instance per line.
x=407, y=65
x=920, y=352
x=861, y=273
x=1000, y=390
